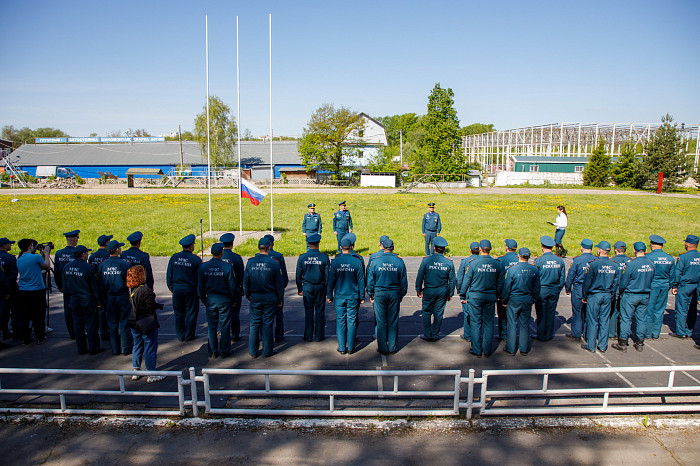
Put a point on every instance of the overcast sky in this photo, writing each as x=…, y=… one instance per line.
x=101, y=66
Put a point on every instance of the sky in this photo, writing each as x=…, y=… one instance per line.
x=98, y=66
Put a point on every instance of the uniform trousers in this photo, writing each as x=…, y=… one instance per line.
x=386, y=314
x=597, y=321
x=466, y=330
x=262, y=317
x=186, y=311
x=85, y=324
x=432, y=311
x=339, y=237
x=481, y=311
x=68, y=315
x=518, y=324
x=104, y=326
x=236, y=317
x=32, y=307
x=658, y=298
x=686, y=309
x=633, y=305
x=429, y=241
x=346, y=309
x=614, y=317
x=546, y=310
x=118, y=310
x=279, y=322
x=219, y=312
x=314, y=297
x=578, y=312
x=502, y=315
x=144, y=343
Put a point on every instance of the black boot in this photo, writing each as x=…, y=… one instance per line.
x=620, y=346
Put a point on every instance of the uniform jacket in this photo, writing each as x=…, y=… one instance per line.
x=552, y=271
x=60, y=260
x=636, y=276
x=263, y=276
x=521, y=283
x=481, y=278
x=578, y=270
x=111, y=276
x=8, y=265
x=388, y=274
x=431, y=223
x=311, y=223
x=238, y=268
x=372, y=257
x=346, y=278
x=436, y=273
x=98, y=256
x=507, y=260
x=601, y=276
x=136, y=256
x=342, y=221
x=464, y=263
x=312, y=268
x=80, y=280
x=283, y=267
x=687, y=269
x=183, y=271
x=215, y=277
x=664, y=268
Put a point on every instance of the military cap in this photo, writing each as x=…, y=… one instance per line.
x=524, y=252
x=341, y=203
x=311, y=205
x=656, y=239
x=431, y=204
x=485, y=244
x=114, y=245
x=70, y=234
x=587, y=244
x=187, y=240
x=135, y=236
x=547, y=242
x=382, y=238
x=640, y=246
x=511, y=244
x=217, y=248
x=474, y=245
x=4, y=241
x=227, y=238
x=80, y=250
x=270, y=238
x=620, y=244
x=264, y=242
x=352, y=237
x=692, y=239
x=103, y=239
x=314, y=238
x=388, y=243
x=345, y=242
x=604, y=245
x=440, y=242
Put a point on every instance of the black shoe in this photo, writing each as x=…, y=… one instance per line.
x=524, y=354
x=253, y=356
x=620, y=347
x=127, y=353
x=225, y=355
x=235, y=339
x=278, y=340
x=586, y=348
x=696, y=346
x=341, y=352
x=476, y=355
x=571, y=337
x=382, y=352
x=639, y=346
x=487, y=355
x=352, y=351
x=682, y=337
x=424, y=338
x=214, y=355
x=97, y=351
x=505, y=350
x=39, y=342
x=465, y=338
x=270, y=355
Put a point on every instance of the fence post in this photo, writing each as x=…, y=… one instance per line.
x=484, y=381
x=470, y=394
x=458, y=380
x=193, y=388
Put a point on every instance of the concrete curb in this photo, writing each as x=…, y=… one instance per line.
x=433, y=425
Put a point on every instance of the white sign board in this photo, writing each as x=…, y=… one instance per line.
x=388, y=181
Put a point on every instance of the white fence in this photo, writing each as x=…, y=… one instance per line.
x=504, y=178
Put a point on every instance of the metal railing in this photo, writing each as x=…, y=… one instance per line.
x=62, y=393
x=268, y=391
x=613, y=398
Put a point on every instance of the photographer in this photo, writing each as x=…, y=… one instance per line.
x=31, y=296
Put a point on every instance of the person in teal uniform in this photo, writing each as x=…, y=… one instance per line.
x=311, y=276
x=312, y=222
x=279, y=311
x=95, y=259
x=374, y=255
x=181, y=278
x=664, y=270
x=684, y=286
x=599, y=286
x=135, y=256
x=60, y=260
x=238, y=268
x=574, y=285
x=346, y=290
x=111, y=281
x=435, y=285
x=80, y=282
x=521, y=287
x=431, y=228
x=621, y=258
x=463, y=264
x=634, y=288
x=342, y=222
x=552, y=277
x=509, y=259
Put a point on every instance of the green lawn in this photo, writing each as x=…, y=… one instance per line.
x=164, y=219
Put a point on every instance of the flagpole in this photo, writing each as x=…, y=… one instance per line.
x=272, y=167
x=238, y=102
x=206, y=28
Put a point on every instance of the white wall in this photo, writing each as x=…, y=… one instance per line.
x=378, y=180
x=505, y=178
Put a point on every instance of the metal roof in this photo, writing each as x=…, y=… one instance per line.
x=550, y=159
x=152, y=153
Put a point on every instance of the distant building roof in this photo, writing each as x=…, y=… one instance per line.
x=552, y=159
x=160, y=153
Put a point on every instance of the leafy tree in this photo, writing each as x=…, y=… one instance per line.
x=441, y=135
x=222, y=132
x=476, y=128
x=326, y=141
x=624, y=172
x=665, y=152
x=597, y=171
x=27, y=135
x=141, y=133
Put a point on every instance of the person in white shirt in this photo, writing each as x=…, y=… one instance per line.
x=560, y=223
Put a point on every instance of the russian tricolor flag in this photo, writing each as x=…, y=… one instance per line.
x=252, y=192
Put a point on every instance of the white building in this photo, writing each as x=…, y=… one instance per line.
x=367, y=140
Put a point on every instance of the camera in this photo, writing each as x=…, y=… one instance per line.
x=40, y=247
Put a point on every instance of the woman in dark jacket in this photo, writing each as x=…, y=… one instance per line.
x=144, y=305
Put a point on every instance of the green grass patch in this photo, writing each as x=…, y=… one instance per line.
x=165, y=218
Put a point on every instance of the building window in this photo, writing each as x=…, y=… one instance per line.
x=534, y=168
x=578, y=169
x=361, y=133
x=360, y=154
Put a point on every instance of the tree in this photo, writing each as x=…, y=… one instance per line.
x=141, y=133
x=326, y=141
x=476, y=128
x=665, y=152
x=27, y=135
x=597, y=171
x=441, y=135
x=624, y=172
x=222, y=132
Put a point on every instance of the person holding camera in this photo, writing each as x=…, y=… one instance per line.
x=143, y=322
x=31, y=293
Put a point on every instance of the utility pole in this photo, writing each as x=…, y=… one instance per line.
x=401, y=146
x=179, y=137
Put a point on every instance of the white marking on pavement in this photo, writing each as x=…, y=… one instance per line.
x=672, y=362
x=384, y=362
x=380, y=383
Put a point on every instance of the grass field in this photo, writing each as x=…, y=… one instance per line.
x=164, y=219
